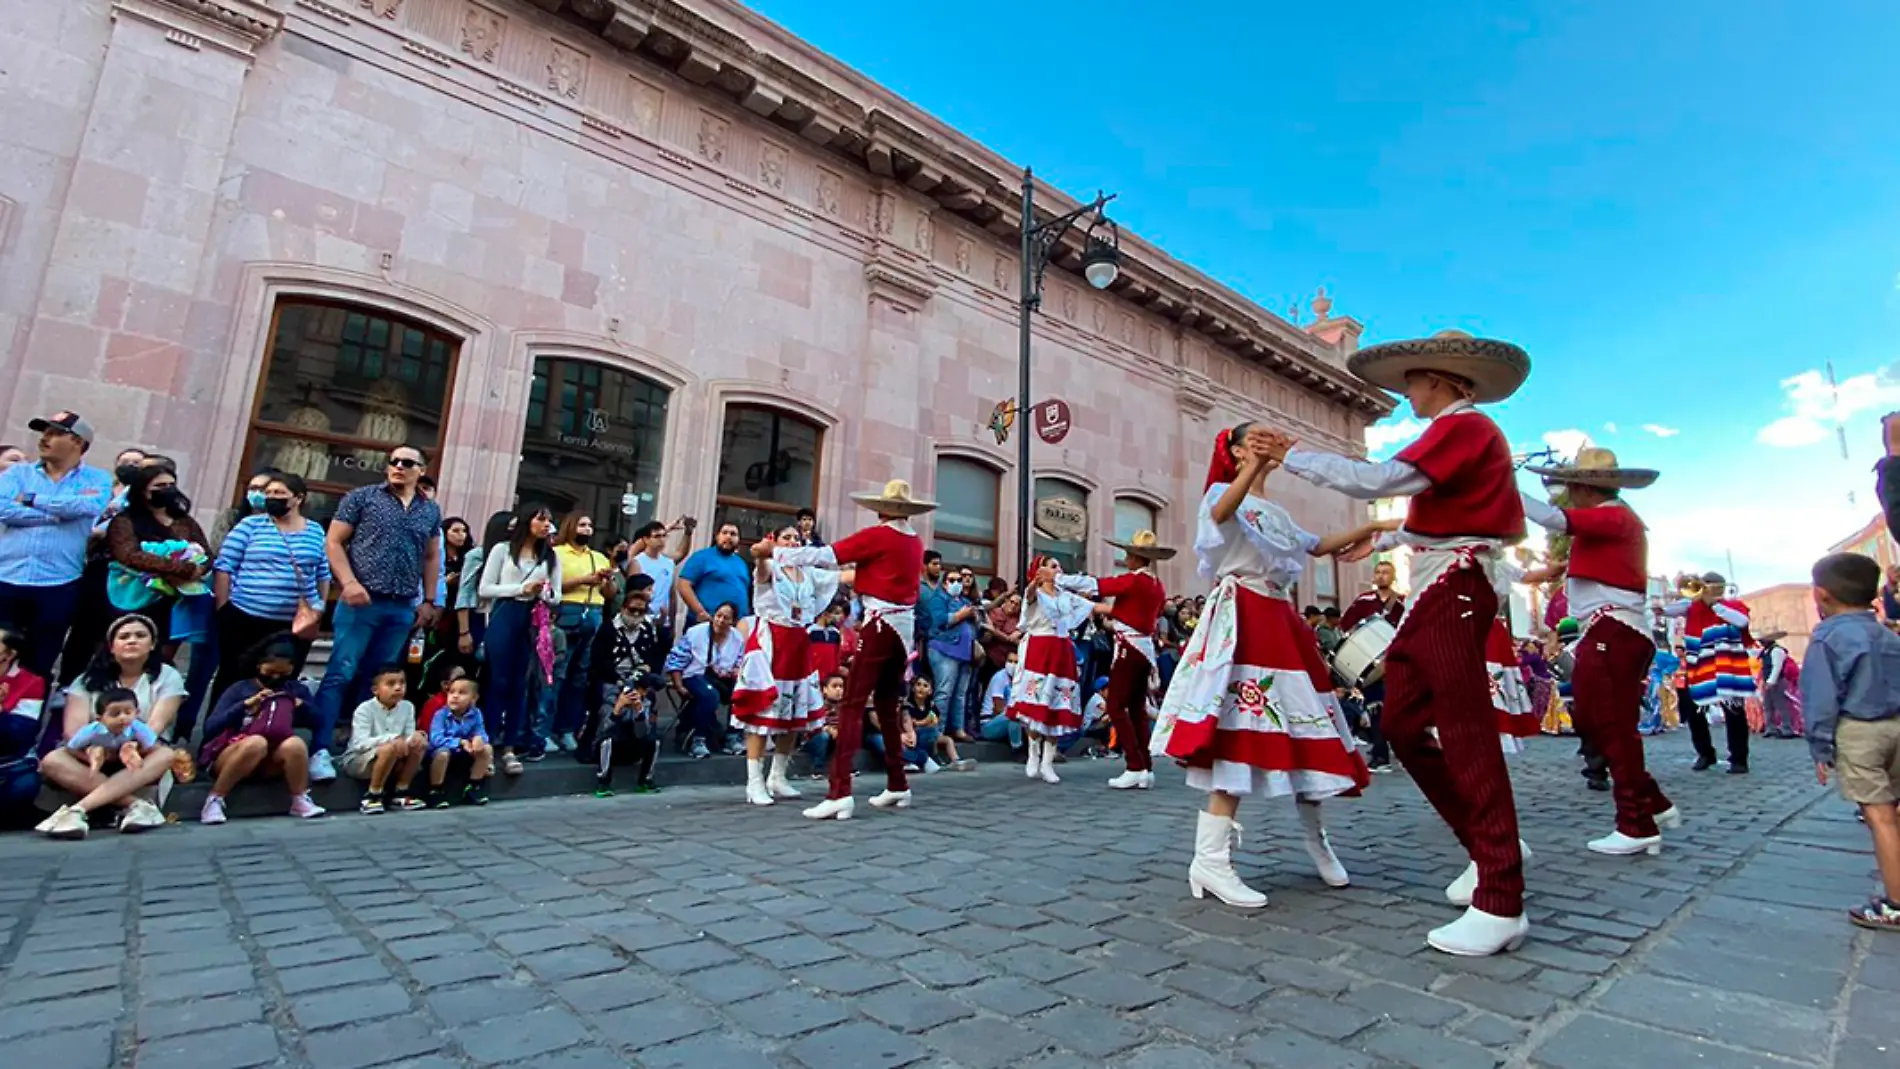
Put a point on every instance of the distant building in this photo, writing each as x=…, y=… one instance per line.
x=1871, y=540
x=1787, y=607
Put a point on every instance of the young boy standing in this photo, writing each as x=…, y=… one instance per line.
x=457, y=736
x=1850, y=692
x=384, y=739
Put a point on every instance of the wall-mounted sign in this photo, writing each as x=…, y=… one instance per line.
x=1052, y=420
x=1002, y=417
x=1061, y=519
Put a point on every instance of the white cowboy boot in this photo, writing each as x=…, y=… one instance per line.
x=1478, y=934
x=832, y=809
x=1466, y=885
x=1047, y=769
x=1669, y=818
x=1033, y=768
x=1213, y=869
x=755, y=791
x=1320, y=849
x=775, y=782
x=1616, y=844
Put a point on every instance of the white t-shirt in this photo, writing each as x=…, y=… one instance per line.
x=169, y=684
x=999, y=692
x=662, y=569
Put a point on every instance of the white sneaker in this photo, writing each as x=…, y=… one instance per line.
x=140, y=816
x=931, y=765
x=305, y=809
x=213, y=812
x=46, y=825
x=892, y=799
x=1669, y=818
x=1616, y=844
x=832, y=809
x=68, y=823
x=1212, y=871
x=1132, y=781
x=322, y=770
x=1466, y=885
x=1478, y=934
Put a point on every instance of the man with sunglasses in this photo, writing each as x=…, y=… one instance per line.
x=383, y=547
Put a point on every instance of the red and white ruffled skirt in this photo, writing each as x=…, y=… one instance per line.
x=1517, y=718
x=778, y=689
x=1046, y=696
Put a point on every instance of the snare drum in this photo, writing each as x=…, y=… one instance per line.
x=1360, y=659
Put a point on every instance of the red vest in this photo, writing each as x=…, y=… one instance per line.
x=1138, y=599
x=890, y=563
x=1474, y=490
x=1608, y=545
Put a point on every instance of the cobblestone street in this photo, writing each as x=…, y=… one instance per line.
x=999, y=923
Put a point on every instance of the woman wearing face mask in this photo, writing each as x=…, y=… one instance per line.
x=94, y=611
x=251, y=504
x=157, y=549
x=268, y=563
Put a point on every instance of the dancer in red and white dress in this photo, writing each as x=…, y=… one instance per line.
x=777, y=695
x=1046, y=696
x=1136, y=598
x=1251, y=709
x=1517, y=721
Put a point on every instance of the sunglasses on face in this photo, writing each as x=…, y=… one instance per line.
x=404, y=462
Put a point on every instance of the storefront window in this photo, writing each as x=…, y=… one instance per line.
x=1133, y=516
x=1326, y=581
x=1062, y=523
x=965, y=521
x=595, y=434
x=343, y=385
x=768, y=469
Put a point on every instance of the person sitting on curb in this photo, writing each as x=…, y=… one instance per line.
x=384, y=740
x=458, y=737
x=249, y=734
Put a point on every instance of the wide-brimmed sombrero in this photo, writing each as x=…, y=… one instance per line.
x=895, y=500
x=1597, y=467
x=1144, y=544
x=1771, y=636
x=1495, y=369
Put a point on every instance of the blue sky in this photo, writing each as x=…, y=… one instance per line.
x=1682, y=210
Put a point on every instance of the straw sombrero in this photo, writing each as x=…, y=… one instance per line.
x=896, y=500
x=1597, y=467
x=1495, y=369
x=1771, y=636
x=1144, y=544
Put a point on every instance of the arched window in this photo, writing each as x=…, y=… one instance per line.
x=1133, y=515
x=964, y=524
x=768, y=468
x=341, y=386
x=1062, y=523
x=594, y=437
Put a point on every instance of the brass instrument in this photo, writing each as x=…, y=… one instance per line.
x=1689, y=587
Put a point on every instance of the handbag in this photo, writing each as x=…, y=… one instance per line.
x=307, y=621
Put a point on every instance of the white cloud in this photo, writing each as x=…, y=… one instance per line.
x=1661, y=431
x=1815, y=407
x=1382, y=437
x=1567, y=442
x=1610, y=427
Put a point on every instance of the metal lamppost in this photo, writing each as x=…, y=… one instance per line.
x=1101, y=264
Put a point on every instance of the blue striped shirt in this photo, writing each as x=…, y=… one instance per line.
x=256, y=555
x=44, y=543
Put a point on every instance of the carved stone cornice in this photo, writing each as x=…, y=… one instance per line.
x=896, y=283
x=235, y=26
x=1194, y=394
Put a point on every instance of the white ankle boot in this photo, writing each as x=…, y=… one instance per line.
x=1133, y=781
x=832, y=809
x=1213, y=869
x=1320, y=849
x=1047, y=769
x=1033, y=768
x=1466, y=885
x=755, y=791
x=1669, y=818
x=890, y=799
x=1616, y=844
x=1478, y=934
x=775, y=782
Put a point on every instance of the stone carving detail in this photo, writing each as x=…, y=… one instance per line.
x=1154, y=341
x=1128, y=330
x=643, y=105
x=923, y=236
x=1002, y=274
x=481, y=33
x=828, y=185
x=877, y=214
x=772, y=159
x=963, y=256
x=1101, y=317
x=567, y=71
x=712, y=137
x=382, y=9
x=1068, y=304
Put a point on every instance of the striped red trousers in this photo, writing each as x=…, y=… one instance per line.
x=1127, y=703
x=877, y=674
x=1612, y=670
x=1435, y=678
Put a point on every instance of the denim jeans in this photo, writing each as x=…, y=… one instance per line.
x=998, y=728
x=915, y=755
x=508, y=650
x=819, y=748
x=204, y=665
x=562, y=707
x=952, y=697
x=702, y=710
x=363, y=638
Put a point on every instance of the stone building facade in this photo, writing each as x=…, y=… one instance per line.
x=586, y=249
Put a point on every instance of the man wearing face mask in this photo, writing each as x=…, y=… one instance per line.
x=948, y=627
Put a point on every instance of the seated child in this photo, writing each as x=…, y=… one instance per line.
x=384, y=739
x=624, y=733
x=118, y=737
x=440, y=698
x=457, y=737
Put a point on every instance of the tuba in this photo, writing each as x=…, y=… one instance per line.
x=1689, y=587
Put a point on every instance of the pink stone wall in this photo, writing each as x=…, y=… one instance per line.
x=519, y=184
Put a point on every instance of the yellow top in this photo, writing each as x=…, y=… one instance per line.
x=579, y=562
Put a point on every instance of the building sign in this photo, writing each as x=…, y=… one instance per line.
x=1061, y=519
x=1052, y=420
x=1002, y=417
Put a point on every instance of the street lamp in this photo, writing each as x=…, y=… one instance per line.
x=1101, y=265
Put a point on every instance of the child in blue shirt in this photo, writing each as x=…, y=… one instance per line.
x=118, y=735
x=457, y=737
